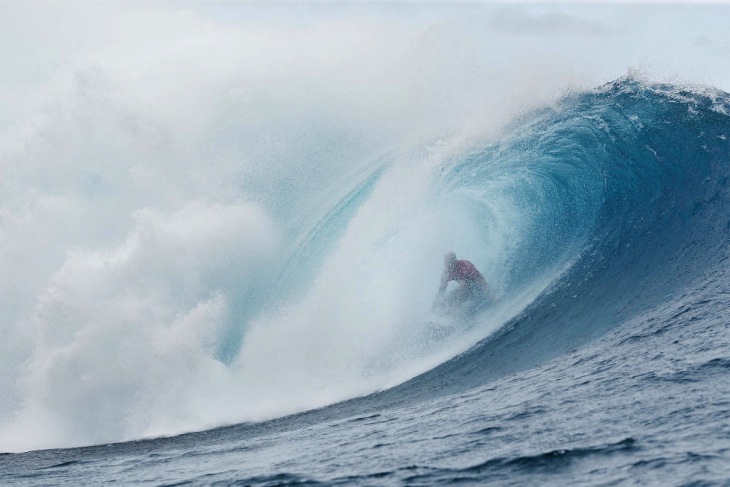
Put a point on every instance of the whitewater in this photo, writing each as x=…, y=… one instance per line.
x=222, y=228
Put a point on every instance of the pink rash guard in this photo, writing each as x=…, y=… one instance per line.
x=464, y=270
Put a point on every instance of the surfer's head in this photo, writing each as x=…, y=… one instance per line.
x=449, y=259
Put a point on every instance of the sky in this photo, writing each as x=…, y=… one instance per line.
x=40, y=42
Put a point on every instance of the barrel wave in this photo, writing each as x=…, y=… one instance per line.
x=625, y=193
x=582, y=215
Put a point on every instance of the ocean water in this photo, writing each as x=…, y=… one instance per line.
x=224, y=278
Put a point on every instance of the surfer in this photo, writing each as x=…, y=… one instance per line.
x=473, y=289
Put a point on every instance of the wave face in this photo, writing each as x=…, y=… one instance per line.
x=601, y=221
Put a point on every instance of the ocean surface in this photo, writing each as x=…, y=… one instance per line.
x=222, y=229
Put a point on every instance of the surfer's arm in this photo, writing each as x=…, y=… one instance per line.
x=444, y=285
x=437, y=302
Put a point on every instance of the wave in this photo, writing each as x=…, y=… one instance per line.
x=580, y=214
x=630, y=180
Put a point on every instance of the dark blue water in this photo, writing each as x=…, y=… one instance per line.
x=617, y=374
